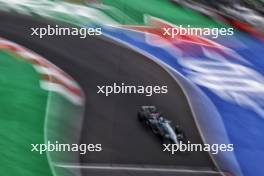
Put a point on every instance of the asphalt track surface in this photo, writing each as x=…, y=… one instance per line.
x=112, y=121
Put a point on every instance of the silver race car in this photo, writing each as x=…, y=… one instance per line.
x=159, y=125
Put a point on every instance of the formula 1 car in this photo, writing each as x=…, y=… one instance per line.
x=159, y=125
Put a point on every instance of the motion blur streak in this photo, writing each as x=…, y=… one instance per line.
x=226, y=73
x=239, y=83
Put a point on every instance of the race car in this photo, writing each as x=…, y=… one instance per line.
x=159, y=125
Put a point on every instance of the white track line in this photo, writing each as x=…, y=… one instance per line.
x=127, y=168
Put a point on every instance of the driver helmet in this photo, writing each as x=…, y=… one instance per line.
x=161, y=118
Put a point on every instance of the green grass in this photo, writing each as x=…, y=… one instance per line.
x=22, y=115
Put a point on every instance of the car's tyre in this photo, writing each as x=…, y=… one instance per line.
x=140, y=117
x=181, y=137
x=155, y=131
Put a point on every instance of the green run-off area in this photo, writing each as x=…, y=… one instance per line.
x=22, y=115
